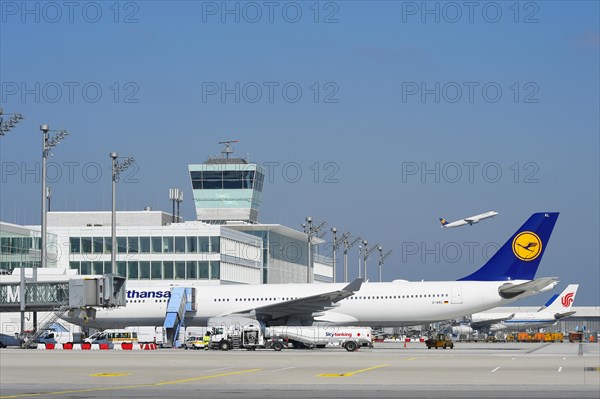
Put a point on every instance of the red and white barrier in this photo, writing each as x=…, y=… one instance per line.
x=97, y=347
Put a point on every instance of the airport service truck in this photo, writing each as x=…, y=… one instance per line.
x=253, y=336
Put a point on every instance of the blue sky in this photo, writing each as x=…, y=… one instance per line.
x=369, y=94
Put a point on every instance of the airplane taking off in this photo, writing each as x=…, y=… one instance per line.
x=506, y=277
x=470, y=220
x=557, y=308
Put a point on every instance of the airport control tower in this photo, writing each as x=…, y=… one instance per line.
x=226, y=188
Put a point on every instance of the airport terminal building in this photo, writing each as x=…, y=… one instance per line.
x=226, y=244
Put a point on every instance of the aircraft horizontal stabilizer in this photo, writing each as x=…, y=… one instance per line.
x=509, y=291
x=559, y=316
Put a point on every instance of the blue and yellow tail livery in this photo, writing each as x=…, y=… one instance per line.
x=443, y=221
x=520, y=256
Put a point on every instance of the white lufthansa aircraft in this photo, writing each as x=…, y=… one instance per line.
x=557, y=308
x=506, y=277
x=470, y=220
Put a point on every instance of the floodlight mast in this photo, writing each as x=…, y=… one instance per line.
x=382, y=257
x=47, y=144
x=14, y=119
x=116, y=169
x=311, y=231
x=347, y=245
x=366, y=252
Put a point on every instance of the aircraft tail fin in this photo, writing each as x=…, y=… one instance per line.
x=443, y=222
x=520, y=256
x=564, y=301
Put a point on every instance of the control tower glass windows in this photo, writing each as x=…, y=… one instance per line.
x=232, y=179
x=196, y=180
x=226, y=179
x=212, y=180
x=258, y=181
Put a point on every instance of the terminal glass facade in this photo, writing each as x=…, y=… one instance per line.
x=22, y=249
x=153, y=270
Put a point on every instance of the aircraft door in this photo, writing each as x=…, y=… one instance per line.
x=456, y=295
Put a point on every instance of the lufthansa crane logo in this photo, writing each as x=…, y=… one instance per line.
x=527, y=246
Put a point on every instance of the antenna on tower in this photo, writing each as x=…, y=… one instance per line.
x=227, y=150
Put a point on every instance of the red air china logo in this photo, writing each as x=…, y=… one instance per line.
x=567, y=300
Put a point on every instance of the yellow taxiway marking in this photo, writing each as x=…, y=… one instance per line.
x=205, y=377
x=109, y=374
x=351, y=373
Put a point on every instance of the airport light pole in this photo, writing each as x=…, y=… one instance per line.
x=311, y=231
x=47, y=144
x=366, y=252
x=382, y=257
x=336, y=246
x=5, y=126
x=116, y=169
x=335, y=243
x=347, y=245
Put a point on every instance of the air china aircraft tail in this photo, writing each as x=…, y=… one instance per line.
x=563, y=301
x=520, y=256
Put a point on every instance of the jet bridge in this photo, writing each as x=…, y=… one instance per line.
x=78, y=296
x=42, y=296
x=182, y=301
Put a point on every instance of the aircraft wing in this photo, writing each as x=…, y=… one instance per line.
x=509, y=290
x=302, y=309
x=559, y=316
x=484, y=325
